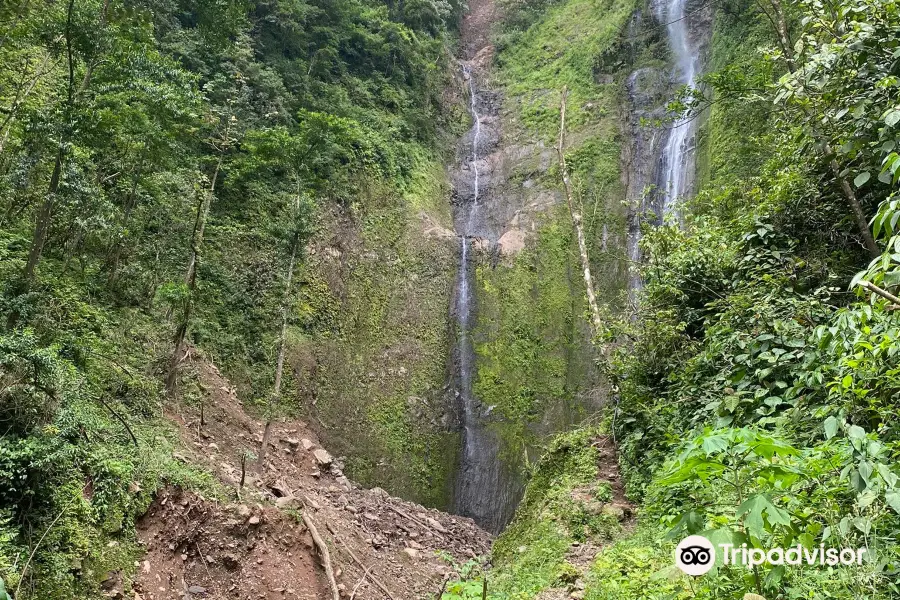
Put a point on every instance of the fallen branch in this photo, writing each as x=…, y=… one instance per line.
x=881, y=292
x=120, y=418
x=444, y=581
x=362, y=565
x=415, y=520
x=361, y=581
x=35, y=549
x=324, y=554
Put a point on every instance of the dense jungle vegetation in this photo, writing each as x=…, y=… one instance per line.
x=162, y=166
x=757, y=381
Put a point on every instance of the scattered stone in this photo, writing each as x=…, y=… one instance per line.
x=254, y=520
x=285, y=501
x=197, y=589
x=411, y=553
x=322, y=456
x=435, y=525
x=307, y=444
x=614, y=510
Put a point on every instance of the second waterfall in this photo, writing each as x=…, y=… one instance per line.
x=675, y=173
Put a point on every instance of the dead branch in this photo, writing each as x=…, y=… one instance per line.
x=362, y=565
x=35, y=549
x=879, y=291
x=415, y=520
x=120, y=418
x=575, y=211
x=444, y=581
x=360, y=582
x=324, y=554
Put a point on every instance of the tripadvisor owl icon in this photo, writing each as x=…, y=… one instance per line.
x=695, y=555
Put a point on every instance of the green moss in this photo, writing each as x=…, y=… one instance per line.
x=729, y=145
x=530, y=330
x=563, y=48
x=563, y=504
x=380, y=356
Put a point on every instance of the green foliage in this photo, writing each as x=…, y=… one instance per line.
x=296, y=123
x=563, y=504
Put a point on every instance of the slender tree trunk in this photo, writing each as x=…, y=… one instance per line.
x=779, y=21
x=575, y=212
x=279, y=365
x=45, y=216
x=787, y=47
x=190, y=282
x=190, y=278
x=862, y=223
x=42, y=225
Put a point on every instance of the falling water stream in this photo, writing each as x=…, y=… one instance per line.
x=484, y=490
x=675, y=176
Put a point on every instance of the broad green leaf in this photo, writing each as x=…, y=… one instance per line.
x=861, y=179
x=855, y=432
x=889, y=477
x=893, y=500
x=831, y=427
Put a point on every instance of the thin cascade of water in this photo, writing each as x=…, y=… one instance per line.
x=482, y=490
x=473, y=109
x=676, y=160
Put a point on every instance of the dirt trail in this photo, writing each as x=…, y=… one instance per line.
x=258, y=547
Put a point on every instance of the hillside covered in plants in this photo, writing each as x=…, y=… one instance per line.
x=589, y=275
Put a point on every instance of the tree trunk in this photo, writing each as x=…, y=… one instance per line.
x=862, y=223
x=45, y=216
x=190, y=278
x=190, y=282
x=575, y=212
x=42, y=224
x=279, y=365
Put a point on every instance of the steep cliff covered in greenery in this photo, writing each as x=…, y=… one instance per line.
x=757, y=378
x=274, y=187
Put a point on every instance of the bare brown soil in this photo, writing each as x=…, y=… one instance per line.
x=475, y=31
x=256, y=546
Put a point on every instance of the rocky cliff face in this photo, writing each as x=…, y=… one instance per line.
x=375, y=290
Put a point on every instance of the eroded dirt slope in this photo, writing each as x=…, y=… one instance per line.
x=257, y=546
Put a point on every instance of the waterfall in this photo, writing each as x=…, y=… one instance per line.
x=484, y=489
x=676, y=163
x=476, y=135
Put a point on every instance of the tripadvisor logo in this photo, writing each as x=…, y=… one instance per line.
x=695, y=555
